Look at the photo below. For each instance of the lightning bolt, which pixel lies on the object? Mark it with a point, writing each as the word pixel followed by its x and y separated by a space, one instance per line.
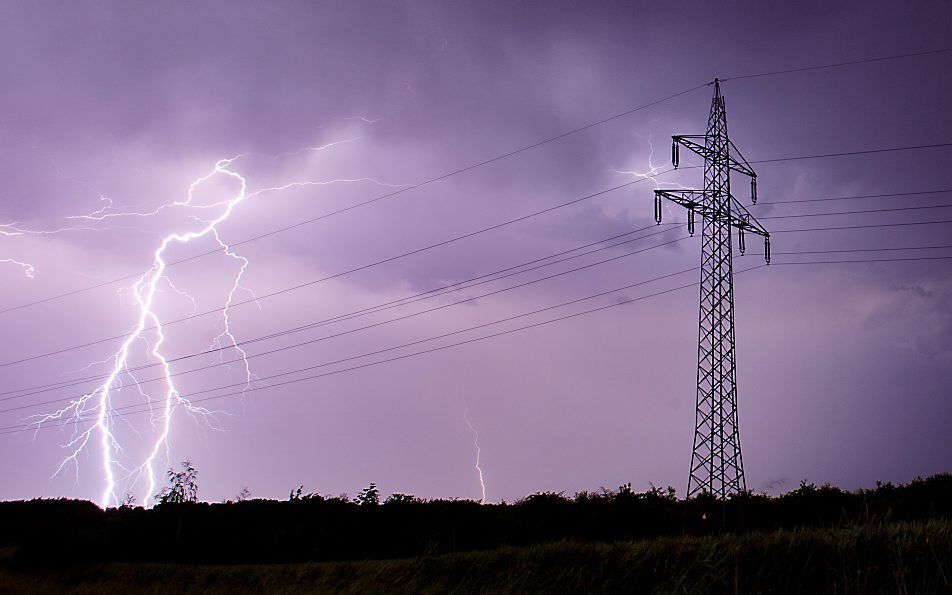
pixel 28 269
pixel 14 229
pixel 95 408
pixel 653 170
pixel 98 402
pixel 479 470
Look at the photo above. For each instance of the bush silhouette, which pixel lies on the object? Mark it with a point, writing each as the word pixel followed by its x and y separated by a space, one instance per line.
pixel 183 486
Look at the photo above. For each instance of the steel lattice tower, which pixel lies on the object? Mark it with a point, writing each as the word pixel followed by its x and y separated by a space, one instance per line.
pixel 716 463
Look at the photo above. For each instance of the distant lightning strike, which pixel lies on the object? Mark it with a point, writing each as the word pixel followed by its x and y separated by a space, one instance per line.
pixel 96 406
pixel 479 470
pixel 653 170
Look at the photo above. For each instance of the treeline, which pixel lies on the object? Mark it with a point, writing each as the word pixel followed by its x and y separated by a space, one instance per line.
pixel 313 527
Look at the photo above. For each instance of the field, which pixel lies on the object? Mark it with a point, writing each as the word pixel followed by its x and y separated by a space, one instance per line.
pixel 879 558
pixel 815 539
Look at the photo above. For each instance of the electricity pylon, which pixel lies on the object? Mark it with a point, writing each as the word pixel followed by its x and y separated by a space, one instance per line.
pixel 716 463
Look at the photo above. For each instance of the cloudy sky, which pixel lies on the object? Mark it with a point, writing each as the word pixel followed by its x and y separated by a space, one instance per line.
pixel 256 125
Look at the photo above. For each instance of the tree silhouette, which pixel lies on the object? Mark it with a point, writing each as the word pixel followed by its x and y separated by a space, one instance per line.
pixel 182 486
pixel 369 496
pixel 398 498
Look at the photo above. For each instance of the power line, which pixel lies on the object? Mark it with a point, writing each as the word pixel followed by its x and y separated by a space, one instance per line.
pixel 870 226
pixel 864 152
pixel 412 315
pixel 448 241
pixel 35 427
pixel 850 250
pixel 862 196
pixel 326 337
pixel 838 64
pixel 474 166
pixel 396 303
pixel 864 211
pixel 838 154
pixel 509 222
pixel 336 275
pixel 257 299
pixel 4 430
pixel 916 258
pixel 403 190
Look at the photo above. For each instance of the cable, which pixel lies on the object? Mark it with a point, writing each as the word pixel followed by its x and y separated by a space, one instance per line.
pixel 857 250
pixel 5 430
pixel 839 154
pixel 890 195
pixel 922 258
pixel 475 166
pixel 113 414
pixel 99 341
pixel 864 211
pixel 396 303
pixel 845 153
pixel 369 201
pixel 325 337
pixel 347 272
pixel 870 226
pixel 837 65
pixel 311 341
pixel 273 232
pixel 431 246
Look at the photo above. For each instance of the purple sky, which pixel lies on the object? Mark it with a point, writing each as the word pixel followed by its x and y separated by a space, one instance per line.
pixel 844 370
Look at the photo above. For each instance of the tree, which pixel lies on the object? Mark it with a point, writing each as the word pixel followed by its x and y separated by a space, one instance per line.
pixel 369 496
pixel 299 494
pixel 182 486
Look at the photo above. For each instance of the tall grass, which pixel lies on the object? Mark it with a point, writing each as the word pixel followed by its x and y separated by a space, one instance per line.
pixel 875 558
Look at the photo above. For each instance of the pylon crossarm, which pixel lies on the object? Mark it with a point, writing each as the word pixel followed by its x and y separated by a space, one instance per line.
pixel 692 200
pixel 698 202
pixel 707 153
pixel 748 170
pixel 742 219
pixel 689 199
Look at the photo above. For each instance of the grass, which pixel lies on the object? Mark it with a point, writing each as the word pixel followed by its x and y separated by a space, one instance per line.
pixel 881 558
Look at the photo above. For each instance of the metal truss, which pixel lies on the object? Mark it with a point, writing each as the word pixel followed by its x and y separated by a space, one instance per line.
pixel 717 466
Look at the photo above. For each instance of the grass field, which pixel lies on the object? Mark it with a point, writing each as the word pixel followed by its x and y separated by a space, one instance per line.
pixel 883 558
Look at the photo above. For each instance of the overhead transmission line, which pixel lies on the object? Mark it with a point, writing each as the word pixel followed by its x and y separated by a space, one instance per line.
pixel 900 259
pixel 865 152
pixel 257 299
pixel 403 301
pixel 49 388
pixel 375 199
pixel 432 246
pixel 869 226
pixel 838 64
pixel 124 411
pixel 860 212
pixel 595 124
pixel 439 348
pixel 58 386
pixel 471 167
pixel 853 250
pixel 864 196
